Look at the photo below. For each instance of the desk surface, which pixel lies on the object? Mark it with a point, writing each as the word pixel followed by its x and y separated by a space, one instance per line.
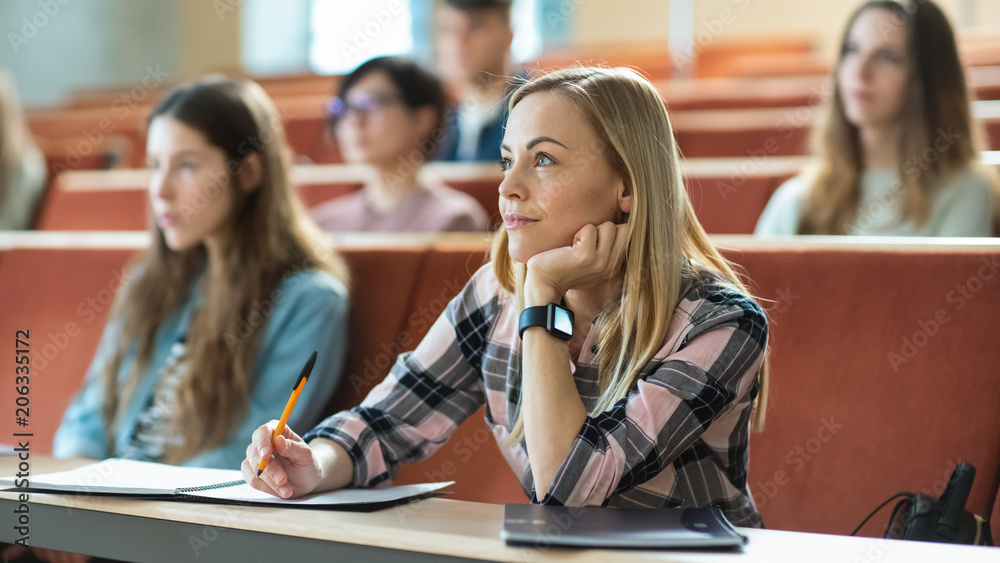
pixel 430 530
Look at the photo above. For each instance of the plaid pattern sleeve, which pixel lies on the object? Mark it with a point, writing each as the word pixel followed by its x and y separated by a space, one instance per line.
pixel 428 393
pixel 681 437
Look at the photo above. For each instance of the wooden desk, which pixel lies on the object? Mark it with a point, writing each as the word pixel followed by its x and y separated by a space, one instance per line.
pixel 431 530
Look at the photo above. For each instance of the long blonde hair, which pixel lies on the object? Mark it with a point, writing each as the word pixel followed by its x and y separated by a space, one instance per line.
pixel 936 100
pixel 631 122
pixel 271 238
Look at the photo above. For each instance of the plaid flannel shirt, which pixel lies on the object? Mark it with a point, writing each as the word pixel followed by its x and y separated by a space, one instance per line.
pixel 680 437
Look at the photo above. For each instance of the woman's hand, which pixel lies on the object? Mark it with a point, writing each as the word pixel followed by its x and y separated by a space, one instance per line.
pixel 293 470
pixel 594 257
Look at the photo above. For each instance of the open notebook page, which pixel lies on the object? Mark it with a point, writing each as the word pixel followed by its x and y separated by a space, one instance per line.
pixel 244 493
pixel 140 478
pixel 128 477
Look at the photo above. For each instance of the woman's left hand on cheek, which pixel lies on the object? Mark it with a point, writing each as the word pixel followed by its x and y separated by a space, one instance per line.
pixel 594 257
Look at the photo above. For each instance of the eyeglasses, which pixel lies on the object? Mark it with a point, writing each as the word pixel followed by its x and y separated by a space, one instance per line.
pixel 362 105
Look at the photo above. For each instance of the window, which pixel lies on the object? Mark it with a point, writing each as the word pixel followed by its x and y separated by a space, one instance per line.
pixel 345 34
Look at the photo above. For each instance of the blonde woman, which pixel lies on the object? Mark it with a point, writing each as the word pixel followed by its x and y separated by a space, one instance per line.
pixel 237 289
pixel 897 154
pixel 640 392
pixel 22 166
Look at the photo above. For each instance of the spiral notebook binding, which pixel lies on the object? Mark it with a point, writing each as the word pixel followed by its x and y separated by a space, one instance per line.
pixel 211 487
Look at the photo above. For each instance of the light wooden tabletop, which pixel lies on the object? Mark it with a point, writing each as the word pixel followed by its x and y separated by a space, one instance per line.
pixel 432 529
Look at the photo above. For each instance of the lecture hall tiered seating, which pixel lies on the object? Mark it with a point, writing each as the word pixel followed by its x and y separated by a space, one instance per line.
pixel 848 424
pixel 883 372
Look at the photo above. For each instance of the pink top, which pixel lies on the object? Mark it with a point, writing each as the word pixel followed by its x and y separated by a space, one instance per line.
pixel 435 208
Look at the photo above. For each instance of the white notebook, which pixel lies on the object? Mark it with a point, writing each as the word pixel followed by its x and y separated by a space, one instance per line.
pixel 142 479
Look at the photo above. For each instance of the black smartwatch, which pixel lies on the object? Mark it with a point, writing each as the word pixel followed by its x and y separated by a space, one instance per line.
pixel 557 321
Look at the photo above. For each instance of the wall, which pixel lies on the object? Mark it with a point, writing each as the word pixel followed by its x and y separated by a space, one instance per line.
pixel 286 50
pixel 596 22
pixel 52 47
pixel 208 39
pixel 616 22
pixel 68 45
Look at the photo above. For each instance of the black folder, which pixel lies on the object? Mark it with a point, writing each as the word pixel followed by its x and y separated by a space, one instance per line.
pixel 593 526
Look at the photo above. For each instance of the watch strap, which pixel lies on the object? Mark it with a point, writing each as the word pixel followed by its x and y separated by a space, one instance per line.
pixel 532 316
pixel 550 317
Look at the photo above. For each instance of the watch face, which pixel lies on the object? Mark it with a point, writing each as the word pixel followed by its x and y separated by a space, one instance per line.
pixel 562 321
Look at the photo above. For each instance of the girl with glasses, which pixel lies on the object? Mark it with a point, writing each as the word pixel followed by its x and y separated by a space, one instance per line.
pixel 388 115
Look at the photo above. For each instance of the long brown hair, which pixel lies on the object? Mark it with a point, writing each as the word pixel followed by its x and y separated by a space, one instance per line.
pixel 936 100
pixel 271 237
pixel 632 125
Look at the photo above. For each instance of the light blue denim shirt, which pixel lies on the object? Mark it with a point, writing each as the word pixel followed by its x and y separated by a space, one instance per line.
pixel 308 311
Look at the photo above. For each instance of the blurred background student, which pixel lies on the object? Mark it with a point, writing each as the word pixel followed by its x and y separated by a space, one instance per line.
pixel 388 115
pixel 897 152
pixel 22 167
pixel 473 50
pixel 218 316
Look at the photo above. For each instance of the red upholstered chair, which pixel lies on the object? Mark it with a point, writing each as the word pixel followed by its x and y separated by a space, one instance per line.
pixel 884 376
pixel 381 292
pixel 992 127
pixel 731 205
pixel 471 456
pixel 883 359
pixel 315 194
pixel 741 141
pixel 487 193
pixel 61 296
pixel 984 82
pixel 94 210
pixel 717 58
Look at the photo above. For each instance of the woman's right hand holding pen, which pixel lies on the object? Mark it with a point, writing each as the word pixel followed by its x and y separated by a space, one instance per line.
pixel 295 468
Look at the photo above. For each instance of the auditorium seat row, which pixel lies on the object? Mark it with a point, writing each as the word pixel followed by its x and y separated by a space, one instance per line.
pixel 884 357
pixel 733 92
pixel 729 194
pixel 700 133
pixel 714 117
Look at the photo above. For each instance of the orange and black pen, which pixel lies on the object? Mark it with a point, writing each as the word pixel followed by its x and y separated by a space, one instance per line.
pixel 303 377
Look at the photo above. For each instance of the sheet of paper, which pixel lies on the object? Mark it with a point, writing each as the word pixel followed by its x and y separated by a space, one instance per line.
pixel 246 493
pixel 140 478
pixel 126 476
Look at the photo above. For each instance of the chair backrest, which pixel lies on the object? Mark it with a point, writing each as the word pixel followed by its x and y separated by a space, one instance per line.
pixel 382 282
pixel 883 357
pixel 884 376
pixel 471 456
pixel 60 292
pixel 745 133
pixel 731 204
pixel 728 194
